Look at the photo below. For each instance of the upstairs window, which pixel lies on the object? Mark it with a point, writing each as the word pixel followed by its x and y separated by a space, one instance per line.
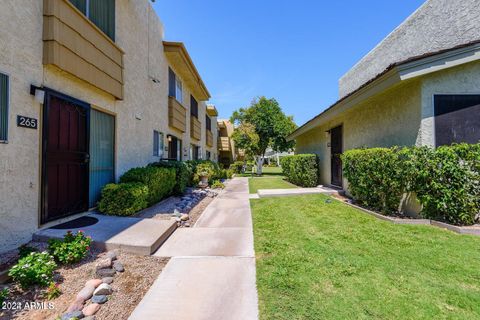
pixel 208 122
pixel 193 107
pixel 4 92
pixel 175 88
pixel 100 12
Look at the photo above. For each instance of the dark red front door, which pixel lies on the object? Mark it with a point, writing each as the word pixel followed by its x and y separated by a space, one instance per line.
pixel 65 157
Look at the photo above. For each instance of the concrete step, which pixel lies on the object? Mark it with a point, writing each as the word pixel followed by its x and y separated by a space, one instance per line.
pixel 134 235
pixel 266 193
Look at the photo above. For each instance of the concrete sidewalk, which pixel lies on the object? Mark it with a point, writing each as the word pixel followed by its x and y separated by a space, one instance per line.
pixel 212 271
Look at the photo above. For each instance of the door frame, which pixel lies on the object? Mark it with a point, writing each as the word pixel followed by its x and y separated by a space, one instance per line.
pixel 331 156
pixel 49 93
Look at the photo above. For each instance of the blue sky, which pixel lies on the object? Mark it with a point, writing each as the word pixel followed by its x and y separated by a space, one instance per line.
pixel 294 51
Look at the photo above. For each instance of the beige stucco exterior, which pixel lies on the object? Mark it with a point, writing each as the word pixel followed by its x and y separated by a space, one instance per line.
pixel 144 108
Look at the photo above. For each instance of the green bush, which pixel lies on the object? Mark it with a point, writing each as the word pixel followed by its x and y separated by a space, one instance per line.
pixel 24 250
pixel 217 184
pixel 3 295
pixel 209 166
pixel 237 167
pixel 159 181
pixel 301 169
pixel 72 249
pixel 123 199
pixel 35 269
pixel 374 178
pixel 445 180
pixel 183 171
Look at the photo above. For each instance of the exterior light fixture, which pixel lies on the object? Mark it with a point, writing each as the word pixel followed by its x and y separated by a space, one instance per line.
pixel 38 93
pixel 169 138
pixel 327 134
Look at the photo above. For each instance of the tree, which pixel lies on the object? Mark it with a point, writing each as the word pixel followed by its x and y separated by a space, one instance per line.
pixel 260 126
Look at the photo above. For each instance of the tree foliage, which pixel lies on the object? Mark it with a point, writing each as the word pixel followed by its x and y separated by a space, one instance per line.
pixel 260 126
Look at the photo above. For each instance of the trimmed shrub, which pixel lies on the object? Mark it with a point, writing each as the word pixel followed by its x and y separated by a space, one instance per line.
pixel 445 180
pixel 301 169
pixel 183 171
pixel 212 167
pixel 374 178
pixel 35 269
pixel 72 249
pixel 237 167
pixel 159 181
pixel 123 199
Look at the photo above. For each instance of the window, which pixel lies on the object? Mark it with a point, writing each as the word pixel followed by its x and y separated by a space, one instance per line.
pixel 158 144
pixel 456 120
pixel 175 88
pixel 194 152
pixel 193 107
pixel 100 12
pixel 4 92
pixel 208 122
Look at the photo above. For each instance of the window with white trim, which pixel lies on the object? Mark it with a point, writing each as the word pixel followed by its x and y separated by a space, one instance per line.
pixel 158 144
pixel 4 97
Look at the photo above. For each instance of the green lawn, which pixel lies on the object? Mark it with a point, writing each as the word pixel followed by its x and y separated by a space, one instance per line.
pixel 320 260
pixel 272 178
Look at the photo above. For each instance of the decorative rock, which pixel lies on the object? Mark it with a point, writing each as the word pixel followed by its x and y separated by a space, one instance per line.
pixel 112 255
pixel 107 280
pixel 91 309
pixel 93 283
pixel 99 299
pixel 77 305
pixel 118 266
pixel 104 264
pixel 103 289
pixel 105 273
pixel 73 315
pixel 184 217
pixel 86 293
pixel 186 225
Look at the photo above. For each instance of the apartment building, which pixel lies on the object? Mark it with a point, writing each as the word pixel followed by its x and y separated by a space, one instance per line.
pixel 227 153
pixel 88 90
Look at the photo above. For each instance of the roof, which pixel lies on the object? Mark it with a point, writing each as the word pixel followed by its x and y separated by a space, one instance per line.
pixel 179 58
pixel 404 70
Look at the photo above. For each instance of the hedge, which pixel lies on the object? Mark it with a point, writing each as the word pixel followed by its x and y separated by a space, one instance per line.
pixel 123 199
pixel 159 181
pixel 445 180
pixel 183 174
pixel 301 169
pixel 237 167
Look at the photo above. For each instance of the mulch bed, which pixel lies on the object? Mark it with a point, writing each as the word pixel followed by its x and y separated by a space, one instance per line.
pixel 129 288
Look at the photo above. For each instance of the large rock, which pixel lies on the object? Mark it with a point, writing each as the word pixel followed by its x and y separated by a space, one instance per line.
pixel 103 289
pixel 99 299
pixel 91 309
pixel 103 264
pixel 72 315
pixel 184 217
pixel 107 280
pixel 102 273
pixel 118 266
pixel 93 283
pixel 86 293
pixel 112 255
pixel 76 305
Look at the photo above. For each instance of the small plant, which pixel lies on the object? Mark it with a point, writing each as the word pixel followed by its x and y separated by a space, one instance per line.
pixel 53 291
pixel 72 249
pixel 204 170
pixel 3 295
pixel 24 250
pixel 36 268
pixel 217 184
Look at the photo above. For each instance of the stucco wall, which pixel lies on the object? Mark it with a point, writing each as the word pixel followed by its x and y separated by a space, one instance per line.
pixel 389 119
pixel 464 79
pixel 437 25
pixel 139 33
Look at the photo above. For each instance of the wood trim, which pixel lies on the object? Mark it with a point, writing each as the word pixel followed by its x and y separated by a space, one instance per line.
pixel 212 111
pixel 224 144
pixel 74 44
pixel 195 128
pixel 209 138
pixel 177 115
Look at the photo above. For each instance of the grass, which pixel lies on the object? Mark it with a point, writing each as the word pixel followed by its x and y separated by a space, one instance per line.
pixel 319 259
pixel 272 178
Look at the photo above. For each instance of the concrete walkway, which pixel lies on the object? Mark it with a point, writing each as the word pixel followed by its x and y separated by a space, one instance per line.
pixel 211 274
pixel 267 193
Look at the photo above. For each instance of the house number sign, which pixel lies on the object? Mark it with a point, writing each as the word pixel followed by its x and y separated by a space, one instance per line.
pixel 26 122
